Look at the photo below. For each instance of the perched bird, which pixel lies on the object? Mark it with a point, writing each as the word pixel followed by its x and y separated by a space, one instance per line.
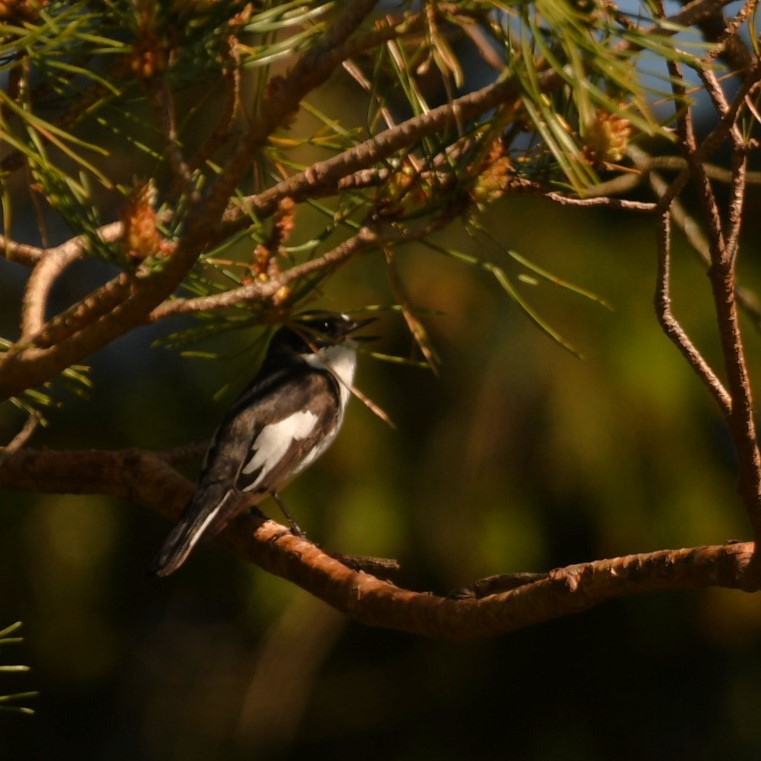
pixel 280 424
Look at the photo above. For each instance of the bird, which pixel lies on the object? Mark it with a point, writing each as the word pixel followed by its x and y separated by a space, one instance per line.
pixel 287 416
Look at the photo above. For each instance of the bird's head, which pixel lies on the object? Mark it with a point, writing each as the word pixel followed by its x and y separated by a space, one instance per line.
pixel 319 329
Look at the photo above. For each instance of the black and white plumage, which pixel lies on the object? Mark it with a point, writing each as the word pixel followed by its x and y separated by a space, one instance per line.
pixel 282 422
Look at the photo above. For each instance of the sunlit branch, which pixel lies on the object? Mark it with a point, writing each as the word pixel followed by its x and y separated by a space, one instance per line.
pixel 147 479
pixel 39 285
pixel 257 291
pixel 31 255
pixel 601 201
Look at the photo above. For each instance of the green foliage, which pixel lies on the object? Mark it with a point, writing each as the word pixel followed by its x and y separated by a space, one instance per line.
pixel 7 701
pixel 173 86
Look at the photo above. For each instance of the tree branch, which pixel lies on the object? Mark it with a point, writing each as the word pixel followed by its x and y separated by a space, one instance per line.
pixel 717 136
pixel 148 479
pixel 746 299
pixel 283 98
pixel 38 288
pixel 561 592
pixel 31 255
pixel 721 272
pixel 728 45
pixel 256 291
pixel 671 326
pixel 82 330
pixel 162 101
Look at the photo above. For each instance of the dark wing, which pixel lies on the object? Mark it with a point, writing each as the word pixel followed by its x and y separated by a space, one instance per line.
pixel 303 421
pixel 266 438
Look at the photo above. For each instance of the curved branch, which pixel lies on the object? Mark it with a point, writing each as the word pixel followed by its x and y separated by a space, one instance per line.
pixel 147 478
pixel 38 288
pixel 562 591
pixel 32 255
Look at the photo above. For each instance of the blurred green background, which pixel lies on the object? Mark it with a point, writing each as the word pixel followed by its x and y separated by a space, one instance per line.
pixel 518 457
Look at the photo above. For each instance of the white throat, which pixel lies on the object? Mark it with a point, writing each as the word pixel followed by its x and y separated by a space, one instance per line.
pixel 341 361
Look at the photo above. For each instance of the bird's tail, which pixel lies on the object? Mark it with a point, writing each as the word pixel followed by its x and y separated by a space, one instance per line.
pixel 207 513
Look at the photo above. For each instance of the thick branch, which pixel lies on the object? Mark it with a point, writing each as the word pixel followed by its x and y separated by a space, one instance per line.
pixel 562 592
pixel 135 474
pixel 148 479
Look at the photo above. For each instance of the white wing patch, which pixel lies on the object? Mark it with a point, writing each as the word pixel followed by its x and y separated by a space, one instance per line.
pixel 274 441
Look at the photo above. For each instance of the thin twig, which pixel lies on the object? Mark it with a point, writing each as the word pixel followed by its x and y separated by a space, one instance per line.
pixel 671 326
pixel 162 100
pixel 688 141
pixel 22 437
pixel 737 198
pixel 228 113
pixel 258 291
pixel 728 45
pixel 746 299
pixel 739 165
pixel 601 201
pixel 717 135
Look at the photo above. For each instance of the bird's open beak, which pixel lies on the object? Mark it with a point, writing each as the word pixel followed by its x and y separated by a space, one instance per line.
pixel 358 325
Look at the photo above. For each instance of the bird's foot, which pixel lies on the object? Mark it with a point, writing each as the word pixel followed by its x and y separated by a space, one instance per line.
pixel 295 528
